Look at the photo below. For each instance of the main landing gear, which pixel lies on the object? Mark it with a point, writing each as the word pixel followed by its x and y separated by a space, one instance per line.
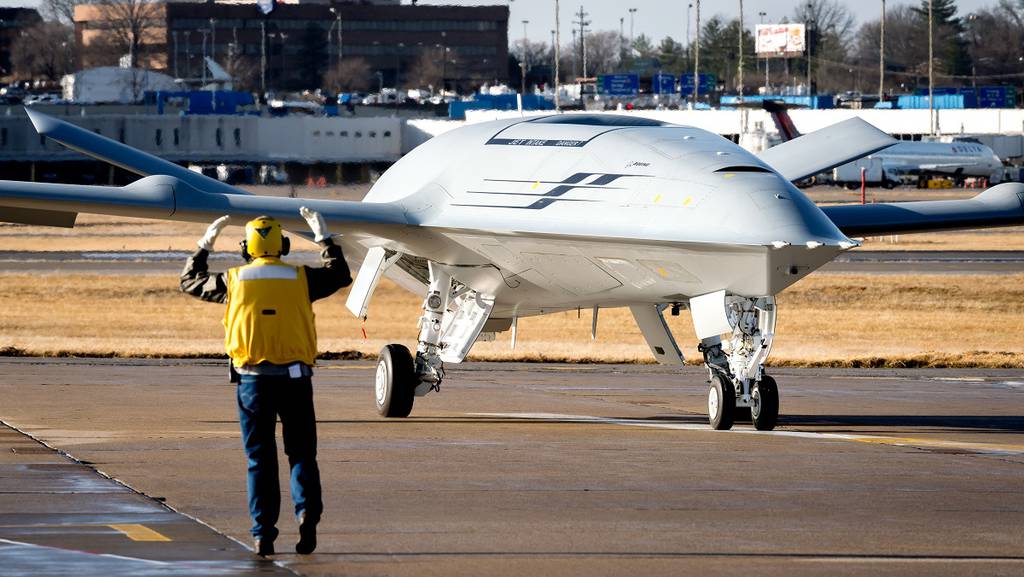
pixel 740 389
pixel 400 377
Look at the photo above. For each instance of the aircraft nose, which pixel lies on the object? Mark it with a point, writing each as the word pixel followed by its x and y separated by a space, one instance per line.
pixel 785 216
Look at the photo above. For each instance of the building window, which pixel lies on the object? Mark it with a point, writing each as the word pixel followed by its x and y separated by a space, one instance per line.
pixel 159 137
pixel 3 137
pixel 120 135
pixel 220 138
pixel 238 137
pixel 175 137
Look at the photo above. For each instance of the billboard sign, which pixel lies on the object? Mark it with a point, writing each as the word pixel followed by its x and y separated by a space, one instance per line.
pixel 708 82
pixel 781 40
pixel 620 84
pixel 664 84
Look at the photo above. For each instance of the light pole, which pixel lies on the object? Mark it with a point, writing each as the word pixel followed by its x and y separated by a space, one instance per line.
pixel 263 57
pixel 696 60
pixel 632 38
pixel 284 67
pixel 688 8
pixel 335 24
pixel 974 49
pixel 213 39
pixel 881 56
pixel 444 62
pixel 398 71
pixel 204 32
pixel 810 38
pixel 739 62
pixel 766 59
pixel 526 56
pixel 622 38
pixel 931 79
pixel 188 55
pixel 558 55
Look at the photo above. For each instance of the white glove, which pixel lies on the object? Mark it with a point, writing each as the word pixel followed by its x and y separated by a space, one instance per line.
pixel 316 223
pixel 206 243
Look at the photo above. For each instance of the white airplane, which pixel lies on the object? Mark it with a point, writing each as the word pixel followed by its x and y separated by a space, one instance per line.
pixel 959 159
pixel 508 219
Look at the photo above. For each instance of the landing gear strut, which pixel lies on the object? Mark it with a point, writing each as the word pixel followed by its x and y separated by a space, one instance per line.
pixel 400 377
pixel 739 385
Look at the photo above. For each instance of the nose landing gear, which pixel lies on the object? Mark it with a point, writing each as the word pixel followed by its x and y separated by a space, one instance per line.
pixel 739 388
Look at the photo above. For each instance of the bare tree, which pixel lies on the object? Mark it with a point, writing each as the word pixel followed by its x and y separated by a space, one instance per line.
pixel 131 25
pixel 60 10
pixel 43 51
pixel 602 52
pixel 352 75
pixel 427 71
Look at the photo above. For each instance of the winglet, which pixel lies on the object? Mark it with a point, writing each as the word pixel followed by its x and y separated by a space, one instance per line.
pixel 826 148
pixel 120 154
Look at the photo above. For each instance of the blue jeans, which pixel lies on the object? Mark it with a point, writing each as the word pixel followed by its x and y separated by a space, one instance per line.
pixel 261 399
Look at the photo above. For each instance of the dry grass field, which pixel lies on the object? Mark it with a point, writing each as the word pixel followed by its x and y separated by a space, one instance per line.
pixel 839 320
pixel 834 320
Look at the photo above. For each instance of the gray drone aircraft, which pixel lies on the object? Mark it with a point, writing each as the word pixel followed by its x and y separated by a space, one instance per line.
pixel 514 218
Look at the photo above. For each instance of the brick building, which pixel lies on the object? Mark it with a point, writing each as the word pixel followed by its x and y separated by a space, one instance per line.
pixel 294 45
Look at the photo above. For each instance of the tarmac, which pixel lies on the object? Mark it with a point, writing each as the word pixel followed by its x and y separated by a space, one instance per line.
pixel 522 469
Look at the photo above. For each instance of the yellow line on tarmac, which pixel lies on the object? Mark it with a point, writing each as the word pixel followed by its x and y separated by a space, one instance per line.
pixel 137 532
pixel 940 444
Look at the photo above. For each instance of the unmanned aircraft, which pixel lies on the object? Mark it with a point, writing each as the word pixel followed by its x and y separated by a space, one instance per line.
pixel 501 220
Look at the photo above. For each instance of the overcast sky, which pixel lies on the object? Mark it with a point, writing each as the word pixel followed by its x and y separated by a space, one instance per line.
pixel 656 18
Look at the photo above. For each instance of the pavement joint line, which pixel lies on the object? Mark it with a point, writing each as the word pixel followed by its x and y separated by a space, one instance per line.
pixel 139 532
pixel 913 442
pixel 163 504
pixel 108 555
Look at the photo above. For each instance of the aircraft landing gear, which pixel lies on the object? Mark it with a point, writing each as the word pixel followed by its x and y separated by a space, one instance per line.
pixel 400 377
pixel 739 388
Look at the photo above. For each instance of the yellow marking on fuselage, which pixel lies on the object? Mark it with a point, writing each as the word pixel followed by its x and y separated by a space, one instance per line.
pixel 535 185
pixel 657 198
pixel 688 200
pixel 728 175
pixel 662 272
pixel 137 532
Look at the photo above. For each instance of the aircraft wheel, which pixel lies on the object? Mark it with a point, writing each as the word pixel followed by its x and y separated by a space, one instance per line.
pixel 764 410
pixel 721 403
pixel 396 382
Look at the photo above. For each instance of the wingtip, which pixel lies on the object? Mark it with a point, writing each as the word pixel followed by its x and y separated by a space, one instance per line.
pixel 41 122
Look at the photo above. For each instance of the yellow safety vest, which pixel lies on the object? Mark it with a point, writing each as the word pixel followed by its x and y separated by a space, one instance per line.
pixel 269 316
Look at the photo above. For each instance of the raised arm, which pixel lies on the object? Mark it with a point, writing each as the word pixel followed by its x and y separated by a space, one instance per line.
pixel 196 279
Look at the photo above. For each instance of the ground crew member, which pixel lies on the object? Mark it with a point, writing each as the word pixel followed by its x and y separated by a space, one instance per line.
pixel 271 339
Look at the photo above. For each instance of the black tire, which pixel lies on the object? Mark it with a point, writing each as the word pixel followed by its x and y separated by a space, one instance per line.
pixel 395 385
pixel 765 410
pixel 721 403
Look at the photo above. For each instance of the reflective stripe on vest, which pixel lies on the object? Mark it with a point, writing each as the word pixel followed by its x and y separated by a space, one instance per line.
pixel 269 317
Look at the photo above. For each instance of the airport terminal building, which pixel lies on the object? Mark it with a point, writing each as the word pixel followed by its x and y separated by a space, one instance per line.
pixel 296 43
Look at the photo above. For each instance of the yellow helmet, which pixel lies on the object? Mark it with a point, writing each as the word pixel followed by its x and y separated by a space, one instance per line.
pixel 263 238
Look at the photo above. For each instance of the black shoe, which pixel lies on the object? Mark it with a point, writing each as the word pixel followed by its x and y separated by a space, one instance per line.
pixel 264 547
pixel 307 535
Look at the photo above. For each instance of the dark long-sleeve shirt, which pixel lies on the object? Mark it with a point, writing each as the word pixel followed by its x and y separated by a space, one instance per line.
pixel 324 281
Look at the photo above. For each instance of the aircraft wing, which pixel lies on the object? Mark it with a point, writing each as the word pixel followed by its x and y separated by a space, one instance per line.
pixel 825 149
pixel 1001 205
pixel 169 198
